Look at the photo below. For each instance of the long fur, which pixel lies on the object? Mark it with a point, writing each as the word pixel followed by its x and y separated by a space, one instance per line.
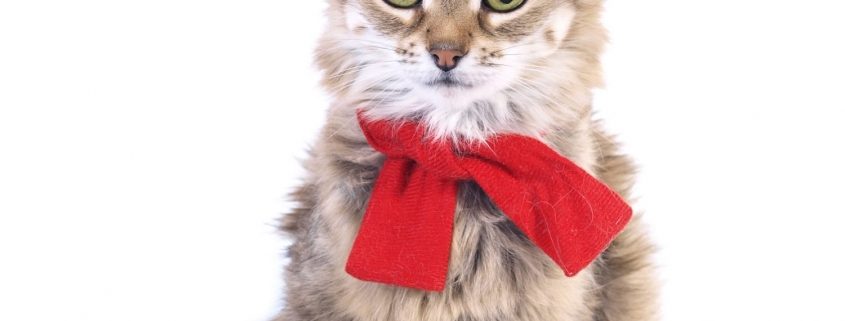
pixel 495 273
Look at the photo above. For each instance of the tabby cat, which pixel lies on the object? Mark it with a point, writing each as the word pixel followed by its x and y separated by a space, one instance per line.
pixel 467 70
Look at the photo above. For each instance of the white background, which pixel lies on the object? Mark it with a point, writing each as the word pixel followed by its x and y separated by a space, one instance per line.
pixel 146 148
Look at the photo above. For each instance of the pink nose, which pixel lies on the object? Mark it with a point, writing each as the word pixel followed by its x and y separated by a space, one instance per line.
pixel 446 59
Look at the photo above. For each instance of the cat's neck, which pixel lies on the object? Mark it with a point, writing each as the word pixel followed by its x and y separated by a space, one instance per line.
pixel 569 132
pixel 534 114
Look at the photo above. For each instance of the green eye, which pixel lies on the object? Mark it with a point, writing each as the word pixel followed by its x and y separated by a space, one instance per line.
pixel 403 4
pixel 503 5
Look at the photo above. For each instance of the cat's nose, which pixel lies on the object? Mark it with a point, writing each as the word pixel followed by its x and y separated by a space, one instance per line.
pixel 446 59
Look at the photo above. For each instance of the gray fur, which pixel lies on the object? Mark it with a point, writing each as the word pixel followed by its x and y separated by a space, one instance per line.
pixel 495 272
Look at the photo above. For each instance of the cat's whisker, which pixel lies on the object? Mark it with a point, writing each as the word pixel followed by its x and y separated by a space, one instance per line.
pixel 359 40
pixel 384 94
pixel 360 47
pixel 532 67
pixel 569 70
pixel 372 84
pixel 532 88
pixel 515 90
pixel 348 84
pixel 527 94
pixel 349 70
pixel 368 43
pixel 508 48
pixel 356 68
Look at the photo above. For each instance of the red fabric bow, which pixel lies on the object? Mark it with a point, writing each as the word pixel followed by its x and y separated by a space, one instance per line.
pixel 406 233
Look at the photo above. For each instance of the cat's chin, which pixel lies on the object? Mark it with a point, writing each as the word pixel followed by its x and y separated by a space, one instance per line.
pixel 450 90
pixel 449 87
pixel 453 91
pixel 447 84
pixel 447 81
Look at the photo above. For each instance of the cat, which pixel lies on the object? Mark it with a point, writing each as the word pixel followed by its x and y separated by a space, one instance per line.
pixel 467 70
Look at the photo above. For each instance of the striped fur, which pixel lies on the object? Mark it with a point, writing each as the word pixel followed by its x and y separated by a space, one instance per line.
pixel 495 273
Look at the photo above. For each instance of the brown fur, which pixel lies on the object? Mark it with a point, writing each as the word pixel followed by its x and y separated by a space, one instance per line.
pixel 495 273
pixel 491 259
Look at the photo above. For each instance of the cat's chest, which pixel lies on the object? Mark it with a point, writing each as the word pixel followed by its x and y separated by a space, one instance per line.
pixel 488 249
pixel 495 273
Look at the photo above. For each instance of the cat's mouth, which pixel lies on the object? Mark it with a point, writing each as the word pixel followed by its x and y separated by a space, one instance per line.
pixel 447 80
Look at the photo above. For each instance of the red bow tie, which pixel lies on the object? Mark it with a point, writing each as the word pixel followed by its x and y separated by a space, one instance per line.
pixel 406 233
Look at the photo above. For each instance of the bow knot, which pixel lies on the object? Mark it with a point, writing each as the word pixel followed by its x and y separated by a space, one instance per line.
pixel 411 142
pixel 405 236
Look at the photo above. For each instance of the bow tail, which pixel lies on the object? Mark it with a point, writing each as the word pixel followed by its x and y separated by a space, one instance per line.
pixel 406 233
pixel 570 215
pixel 578 222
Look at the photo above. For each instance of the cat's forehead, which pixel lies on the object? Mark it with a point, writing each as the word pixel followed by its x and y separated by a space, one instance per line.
pixel 450 5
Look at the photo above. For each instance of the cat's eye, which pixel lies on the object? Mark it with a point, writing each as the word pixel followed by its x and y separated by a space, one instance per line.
pixel 503 6
pixel 403 4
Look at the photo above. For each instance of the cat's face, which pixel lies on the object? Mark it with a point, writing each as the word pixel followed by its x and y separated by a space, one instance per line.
pixel 448 60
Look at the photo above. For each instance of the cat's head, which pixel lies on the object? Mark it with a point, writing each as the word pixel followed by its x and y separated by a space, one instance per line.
pixel 467 68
